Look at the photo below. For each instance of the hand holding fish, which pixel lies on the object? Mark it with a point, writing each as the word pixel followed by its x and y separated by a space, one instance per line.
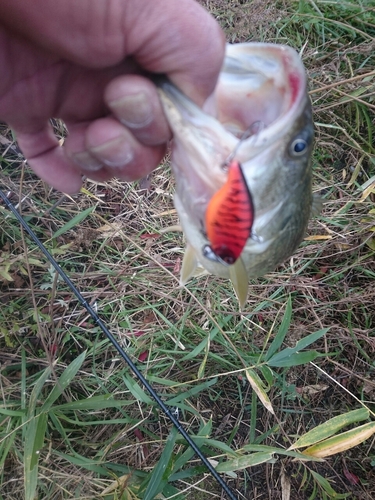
pixel 242 164
pixel 83 62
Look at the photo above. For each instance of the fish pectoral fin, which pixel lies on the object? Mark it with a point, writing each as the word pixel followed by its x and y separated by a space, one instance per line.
pixel 240 281
pixel 189 265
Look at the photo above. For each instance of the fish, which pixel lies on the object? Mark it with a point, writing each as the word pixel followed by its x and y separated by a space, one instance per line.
pixel 242 164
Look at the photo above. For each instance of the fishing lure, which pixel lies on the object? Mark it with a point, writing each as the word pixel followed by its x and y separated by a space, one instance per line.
pixel 229 218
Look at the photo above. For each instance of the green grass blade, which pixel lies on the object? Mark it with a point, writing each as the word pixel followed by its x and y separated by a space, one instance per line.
pixel 288 357
pixel 23 390
pixel 160 474
pixel 323 483
pixel 74 222
pixel 310 339
pixel 295 359
pixel 191 392
pixel 94 403
pixel 137 390
pixel 7 443
pixel 244 462
pixel 85 463
pixel 34 440
pixel 64 380
pixel 35 393
pixel 283 330
pixel 205 342
pixel 41 427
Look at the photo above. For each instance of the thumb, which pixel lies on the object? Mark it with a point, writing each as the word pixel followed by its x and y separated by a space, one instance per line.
pixel 180 39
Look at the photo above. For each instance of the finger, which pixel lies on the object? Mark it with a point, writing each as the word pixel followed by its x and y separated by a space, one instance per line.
pixel 134 101
pixel 105 149
pixel 186 43
pixel 48 160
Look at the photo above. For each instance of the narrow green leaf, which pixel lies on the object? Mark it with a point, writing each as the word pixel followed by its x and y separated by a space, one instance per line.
pixel 12 413
pixel 34 438
pixel 323 483
pixel 37 390
pixel 169 491
pixel 7 443
pixel 74 222
pixel 94 403
pixel 283 330
pixel 161 381
pixel 310 339
pixel 59 427
pixel 158 480
pixel 279 451
pixel 294 359
pixel 202 366
pixel 214 443
pixel 137 391
pixel 244 462
pixel 40 433
pixel 204 432
pixel 268 375
pixel 5 274
pixel 285 355
pixel 80 461
pixel 330 427
pixel 206 429
pixel 203 344
pixel 81 423
pixel 64 380
pixel 183 459
pixel 191 392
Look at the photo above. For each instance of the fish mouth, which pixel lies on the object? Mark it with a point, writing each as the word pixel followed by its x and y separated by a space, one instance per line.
pixel 259 94
pixel 263 86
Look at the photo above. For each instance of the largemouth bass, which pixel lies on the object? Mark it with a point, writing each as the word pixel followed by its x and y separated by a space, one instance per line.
pixel 242 164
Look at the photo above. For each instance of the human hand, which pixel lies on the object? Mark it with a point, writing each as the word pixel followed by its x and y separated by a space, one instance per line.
pixel 83 62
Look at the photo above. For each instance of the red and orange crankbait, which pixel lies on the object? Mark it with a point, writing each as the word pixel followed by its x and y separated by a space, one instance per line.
pixel 229 218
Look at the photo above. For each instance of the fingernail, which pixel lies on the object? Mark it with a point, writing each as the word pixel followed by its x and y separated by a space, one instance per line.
pixel 134 111
pixel 86 161
pixel 116 153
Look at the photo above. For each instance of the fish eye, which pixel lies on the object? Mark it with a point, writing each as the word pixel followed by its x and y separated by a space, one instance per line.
pixel 298 147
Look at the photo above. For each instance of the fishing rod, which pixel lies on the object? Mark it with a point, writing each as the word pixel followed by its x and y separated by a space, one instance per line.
pixel 230 494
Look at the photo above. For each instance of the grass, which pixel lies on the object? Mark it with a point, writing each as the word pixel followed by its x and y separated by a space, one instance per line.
pixel 73 421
